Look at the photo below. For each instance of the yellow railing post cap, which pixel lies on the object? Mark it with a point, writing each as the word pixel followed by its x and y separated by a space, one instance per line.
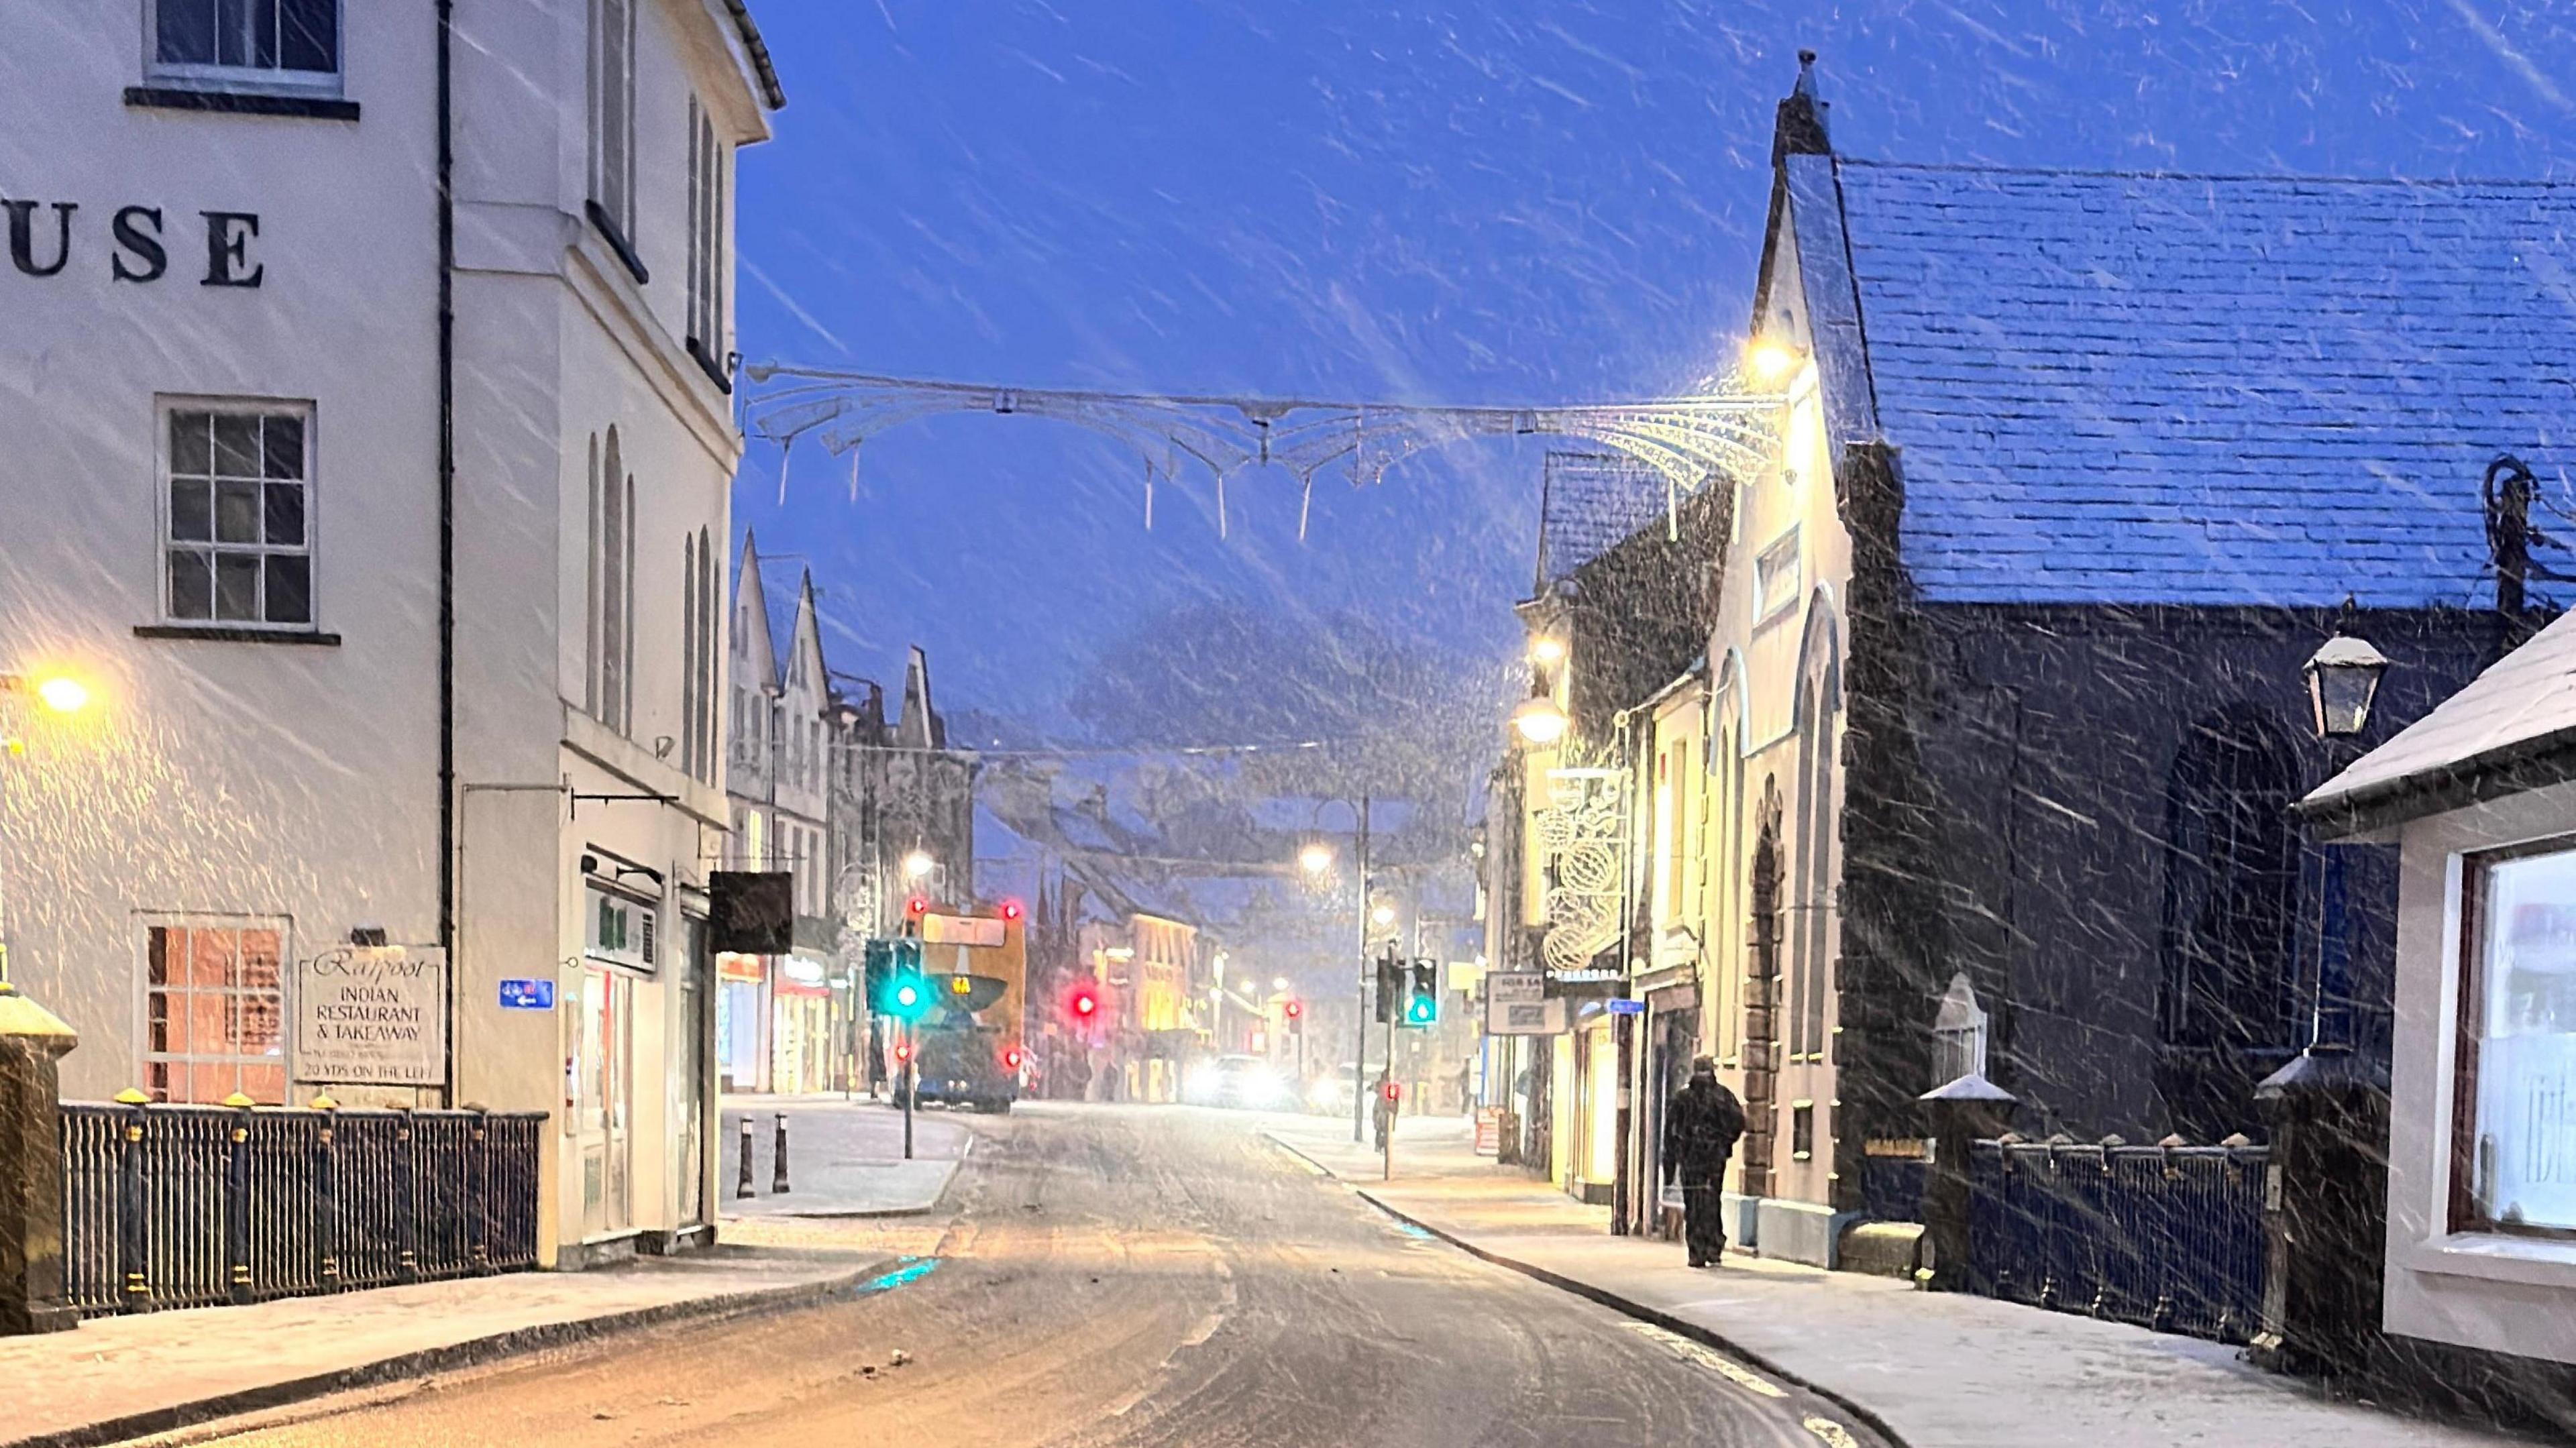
pixel 131 1097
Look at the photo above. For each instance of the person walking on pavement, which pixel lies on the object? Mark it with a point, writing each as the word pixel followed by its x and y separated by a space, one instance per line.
pixel 1701 1126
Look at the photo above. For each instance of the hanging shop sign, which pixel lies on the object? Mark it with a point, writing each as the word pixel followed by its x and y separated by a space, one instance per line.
pixel 1517 1004
pixel 372 1016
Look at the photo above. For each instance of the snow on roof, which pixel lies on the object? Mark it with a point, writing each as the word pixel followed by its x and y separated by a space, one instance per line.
pixel 2511 727
pixel 2196 389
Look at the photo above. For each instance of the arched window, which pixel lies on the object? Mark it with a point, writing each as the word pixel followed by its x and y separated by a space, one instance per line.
pixel 2231 887
pixel 610 690
pixel 1761 996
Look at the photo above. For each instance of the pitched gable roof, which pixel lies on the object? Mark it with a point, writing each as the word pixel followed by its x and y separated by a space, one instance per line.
pixel 755 649
pixel 2160 388
pixel 1589 503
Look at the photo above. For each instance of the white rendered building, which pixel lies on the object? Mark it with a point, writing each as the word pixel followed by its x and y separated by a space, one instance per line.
pixel 366 372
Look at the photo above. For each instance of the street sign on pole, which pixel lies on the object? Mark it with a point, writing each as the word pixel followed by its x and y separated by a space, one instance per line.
pixel 1517 1004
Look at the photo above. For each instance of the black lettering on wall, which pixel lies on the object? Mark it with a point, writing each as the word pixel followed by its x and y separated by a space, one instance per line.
pixel 22 235
pixel 145 245
pixel 228 237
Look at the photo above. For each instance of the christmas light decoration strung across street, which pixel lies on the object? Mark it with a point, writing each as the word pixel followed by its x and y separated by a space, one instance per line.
pixel 1729 433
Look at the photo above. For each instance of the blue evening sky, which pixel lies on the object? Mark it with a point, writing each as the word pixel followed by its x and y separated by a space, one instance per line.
pixel 1505 201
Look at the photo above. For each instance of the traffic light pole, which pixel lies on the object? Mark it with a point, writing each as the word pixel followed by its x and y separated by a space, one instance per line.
pixel 1359 1017
pixel 908 1068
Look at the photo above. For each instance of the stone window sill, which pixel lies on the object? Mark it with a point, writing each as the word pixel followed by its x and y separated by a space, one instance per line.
pixel 240 103
pixel 226 634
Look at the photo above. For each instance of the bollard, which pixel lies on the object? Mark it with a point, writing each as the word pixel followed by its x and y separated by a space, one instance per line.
pixel 742 1185
pixel 778 1178
pixel 1957 1115
pixel 32 1041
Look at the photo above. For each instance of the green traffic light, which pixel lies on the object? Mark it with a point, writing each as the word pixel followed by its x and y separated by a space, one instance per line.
pixel 1420 1010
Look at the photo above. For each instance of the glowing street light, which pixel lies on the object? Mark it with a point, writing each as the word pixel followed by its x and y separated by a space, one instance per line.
pixel 1383 912
pixel 1547 649
pixel 1316 858
pixel 918 864
pixel 63 694
pixel 1539 720
pixel 1770 361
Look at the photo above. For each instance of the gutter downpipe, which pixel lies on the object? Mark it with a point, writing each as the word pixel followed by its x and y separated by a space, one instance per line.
pixel 447 837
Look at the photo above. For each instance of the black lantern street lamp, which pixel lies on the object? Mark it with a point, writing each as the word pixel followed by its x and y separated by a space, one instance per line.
pixel 2343 678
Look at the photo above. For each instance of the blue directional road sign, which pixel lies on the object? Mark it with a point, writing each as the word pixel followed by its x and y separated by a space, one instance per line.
pixel 528 995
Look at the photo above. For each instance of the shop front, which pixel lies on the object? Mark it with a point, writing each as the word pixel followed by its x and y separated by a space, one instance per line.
pixel 742 1022
pixel 800 1056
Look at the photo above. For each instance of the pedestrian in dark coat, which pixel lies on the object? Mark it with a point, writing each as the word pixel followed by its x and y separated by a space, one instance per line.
pixel 1701 1124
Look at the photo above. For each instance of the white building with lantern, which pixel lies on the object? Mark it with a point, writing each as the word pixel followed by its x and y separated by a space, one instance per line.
pixel 2479 797
pixel 382 522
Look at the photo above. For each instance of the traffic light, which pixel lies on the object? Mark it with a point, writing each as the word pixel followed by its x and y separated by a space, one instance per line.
pixel 1295 1011
pixel 915 908
pixel 1422 997
pixel 1012 910
pixel 896 985
pixel 903 1053
pixel 1083 1004
pixel 1011 1058
pixel 1390 984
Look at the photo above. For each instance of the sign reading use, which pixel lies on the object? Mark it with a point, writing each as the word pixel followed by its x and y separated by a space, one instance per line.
pixel 371 1016
pixel 527 995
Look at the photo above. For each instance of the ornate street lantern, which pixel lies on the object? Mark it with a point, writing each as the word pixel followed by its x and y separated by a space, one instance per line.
pixel 2343 678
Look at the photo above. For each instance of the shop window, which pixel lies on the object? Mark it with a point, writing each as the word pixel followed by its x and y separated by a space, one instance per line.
pixel 213 1007
pixel 2516 1166
pixel 290 44
pixel 237 533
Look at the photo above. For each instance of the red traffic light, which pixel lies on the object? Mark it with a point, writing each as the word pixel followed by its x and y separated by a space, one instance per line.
pixel 1394 1090
pixel 1012 910
pixel 903 1053
pixel 1084 1003
pixel 1295 1009
pixel 917 906
pixel 1011 1059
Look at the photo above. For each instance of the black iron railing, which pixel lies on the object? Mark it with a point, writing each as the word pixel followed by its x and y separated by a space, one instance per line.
pixel 2168 1237
pixel 193 1206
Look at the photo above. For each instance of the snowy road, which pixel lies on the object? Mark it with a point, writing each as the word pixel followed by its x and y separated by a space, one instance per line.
pixel 1131 1276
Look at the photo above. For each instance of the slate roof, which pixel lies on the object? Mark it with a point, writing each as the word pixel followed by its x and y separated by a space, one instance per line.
pixel 2164 388
pixel 2512 727
pixel 1589 504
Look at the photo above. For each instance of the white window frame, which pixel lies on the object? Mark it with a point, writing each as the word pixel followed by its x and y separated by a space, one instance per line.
pixel 245 79
pixel 145 1057
pixel 710 195
pixel 1780 558
pixel 163 540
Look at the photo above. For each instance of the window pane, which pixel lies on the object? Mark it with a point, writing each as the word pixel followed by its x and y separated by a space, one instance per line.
pixel 286 515
pixel 163 1031
pixel 2524 1169
pixel 237 508
pixel 186 32
pixel 264 1084
pixel 255 967
pixel 310 34
pixel 192 583
pixel 237 445
pixel 290 588
pixel 237 586
pixel 192 511
pixel 191 433
pixel 233 31
pixel 282 454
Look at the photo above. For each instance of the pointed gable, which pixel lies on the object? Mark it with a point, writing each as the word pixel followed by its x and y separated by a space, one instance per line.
pixel 920 726
pixel 754 653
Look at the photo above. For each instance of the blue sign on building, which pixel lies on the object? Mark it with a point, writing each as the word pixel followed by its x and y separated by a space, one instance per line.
pixel 528 995
pixel 1627 1008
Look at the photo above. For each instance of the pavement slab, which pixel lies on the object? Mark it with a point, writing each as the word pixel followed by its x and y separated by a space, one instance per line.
pixel 120 1377
pixel 1938 1370
pixel 844 1158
